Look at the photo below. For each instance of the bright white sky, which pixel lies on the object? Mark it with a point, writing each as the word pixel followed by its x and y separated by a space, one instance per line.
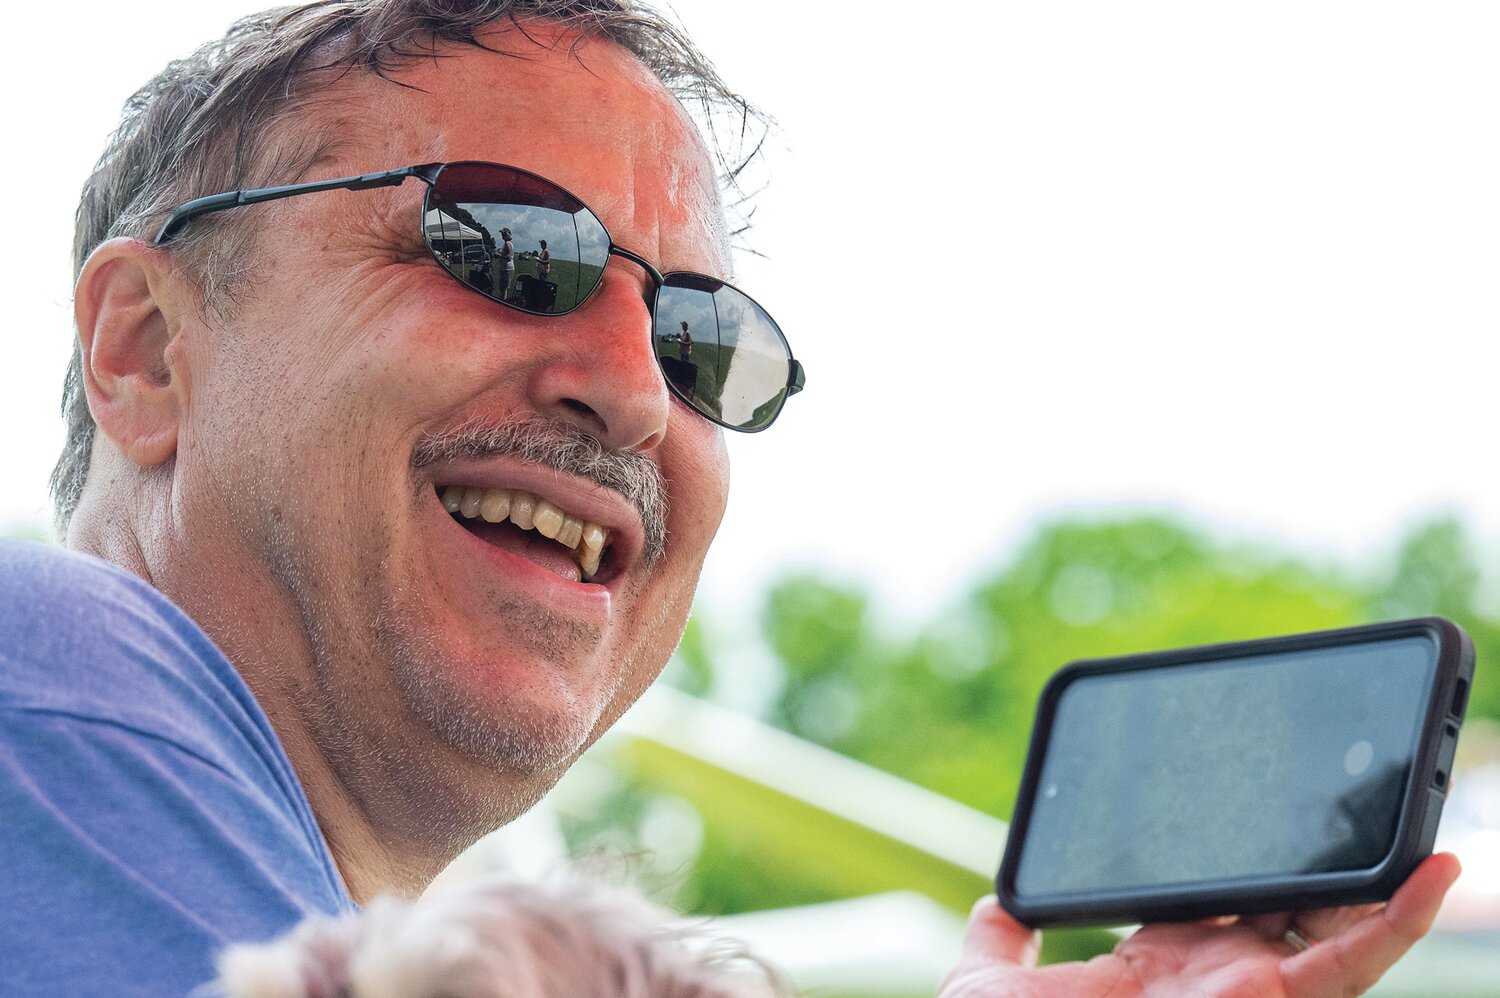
pixel 1236 260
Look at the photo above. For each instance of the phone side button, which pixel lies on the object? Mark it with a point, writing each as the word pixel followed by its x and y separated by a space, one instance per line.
pixel 1460 697
pixel 1428 837
pixel 1445 758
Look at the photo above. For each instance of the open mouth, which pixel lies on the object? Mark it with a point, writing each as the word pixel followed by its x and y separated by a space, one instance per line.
pixel 532 527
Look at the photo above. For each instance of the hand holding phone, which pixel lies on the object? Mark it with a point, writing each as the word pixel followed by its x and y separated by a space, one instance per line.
pixel 1248 786
pixel 1348 950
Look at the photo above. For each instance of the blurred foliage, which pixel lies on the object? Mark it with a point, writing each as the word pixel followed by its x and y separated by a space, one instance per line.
pixel 951 707
pixel 948 703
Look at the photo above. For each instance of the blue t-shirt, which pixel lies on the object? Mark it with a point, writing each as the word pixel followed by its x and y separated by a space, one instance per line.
pixel 148 815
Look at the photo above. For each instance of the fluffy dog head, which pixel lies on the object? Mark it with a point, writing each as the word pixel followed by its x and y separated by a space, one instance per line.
pixel 497 939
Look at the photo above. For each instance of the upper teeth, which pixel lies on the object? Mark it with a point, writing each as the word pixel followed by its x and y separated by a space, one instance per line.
pixel 586 540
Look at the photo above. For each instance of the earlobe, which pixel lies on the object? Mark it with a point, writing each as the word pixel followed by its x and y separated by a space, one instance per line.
pixel 126 323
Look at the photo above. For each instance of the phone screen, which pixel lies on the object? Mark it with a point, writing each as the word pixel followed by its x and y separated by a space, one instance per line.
pixel 1260 766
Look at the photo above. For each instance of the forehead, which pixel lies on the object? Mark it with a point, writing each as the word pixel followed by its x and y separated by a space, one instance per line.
pixel 582 112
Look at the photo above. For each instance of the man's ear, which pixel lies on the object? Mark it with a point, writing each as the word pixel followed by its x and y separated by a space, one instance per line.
pixel 126 319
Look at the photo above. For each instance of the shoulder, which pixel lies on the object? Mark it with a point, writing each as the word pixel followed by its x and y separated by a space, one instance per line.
pixel 98 659
pixel 150 810
pixel 73 627
pixel 87 645
pixel 40 577
pixel 32 570
pixel 133 854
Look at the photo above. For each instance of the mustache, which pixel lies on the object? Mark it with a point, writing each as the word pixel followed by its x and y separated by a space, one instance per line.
pixel 562 447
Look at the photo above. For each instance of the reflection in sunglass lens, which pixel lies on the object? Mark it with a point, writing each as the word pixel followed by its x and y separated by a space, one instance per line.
pixel 515 237
pixel 720 351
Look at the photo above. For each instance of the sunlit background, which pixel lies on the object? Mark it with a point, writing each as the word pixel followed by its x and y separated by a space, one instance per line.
pixel 1126 326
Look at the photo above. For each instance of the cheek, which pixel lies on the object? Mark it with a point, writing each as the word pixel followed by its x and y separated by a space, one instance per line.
pixel 384 353
pixel 696 464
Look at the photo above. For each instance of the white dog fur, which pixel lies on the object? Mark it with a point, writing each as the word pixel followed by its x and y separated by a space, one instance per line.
pixel 498 939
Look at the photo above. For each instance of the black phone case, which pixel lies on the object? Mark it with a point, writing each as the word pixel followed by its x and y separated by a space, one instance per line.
pixel 1421 803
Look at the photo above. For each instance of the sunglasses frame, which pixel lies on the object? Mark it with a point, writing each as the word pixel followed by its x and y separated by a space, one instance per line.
pixel 428 173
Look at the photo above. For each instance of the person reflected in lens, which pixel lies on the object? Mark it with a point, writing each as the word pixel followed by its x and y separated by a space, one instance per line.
pixel 478 259
pixel 543 262
pixel 507 269
pixel 685 344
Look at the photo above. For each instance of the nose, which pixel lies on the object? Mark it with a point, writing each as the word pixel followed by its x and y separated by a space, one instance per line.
pixel 608 381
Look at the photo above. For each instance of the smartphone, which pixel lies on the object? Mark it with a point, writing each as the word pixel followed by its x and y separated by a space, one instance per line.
pixel 1279 774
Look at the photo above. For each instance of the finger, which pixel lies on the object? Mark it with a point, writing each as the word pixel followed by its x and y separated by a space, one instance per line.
pixel 1325 923
pixel 994 935
pixel 1313 925
pixel 1355 958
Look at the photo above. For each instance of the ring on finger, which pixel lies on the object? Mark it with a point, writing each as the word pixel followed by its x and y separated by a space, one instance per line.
pixel 1299 941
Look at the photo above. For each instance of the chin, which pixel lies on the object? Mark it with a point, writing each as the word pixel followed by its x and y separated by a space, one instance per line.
pixel 521 718
pixel 523 702
pixel 525 732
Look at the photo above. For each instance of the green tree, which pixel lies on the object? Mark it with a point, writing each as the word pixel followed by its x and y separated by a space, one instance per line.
pixel 1436 571
pixel 951 708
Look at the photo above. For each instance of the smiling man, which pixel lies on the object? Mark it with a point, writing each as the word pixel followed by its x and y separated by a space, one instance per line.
pixel 438 531
pixel 431 651
pixel 371 538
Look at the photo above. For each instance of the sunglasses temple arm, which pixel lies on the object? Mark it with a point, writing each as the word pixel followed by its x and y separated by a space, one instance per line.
pixel 796 377
pixel 233 199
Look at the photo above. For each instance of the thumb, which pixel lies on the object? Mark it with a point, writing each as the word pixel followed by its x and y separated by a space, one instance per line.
pixel 994 935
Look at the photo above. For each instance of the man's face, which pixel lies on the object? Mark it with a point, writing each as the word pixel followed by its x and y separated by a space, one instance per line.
pixel 327 415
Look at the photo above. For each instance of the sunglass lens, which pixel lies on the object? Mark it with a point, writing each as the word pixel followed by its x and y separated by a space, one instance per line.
pixel 720 351
pixel 515 237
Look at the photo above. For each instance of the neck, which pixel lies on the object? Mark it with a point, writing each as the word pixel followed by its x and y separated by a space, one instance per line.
pixel 388 831
pixel 377 821
pixel 370 859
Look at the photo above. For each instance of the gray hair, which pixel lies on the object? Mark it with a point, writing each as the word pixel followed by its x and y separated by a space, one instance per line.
pixel 223 119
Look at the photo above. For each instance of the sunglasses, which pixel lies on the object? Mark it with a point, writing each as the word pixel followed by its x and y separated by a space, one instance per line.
pixel 523 241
